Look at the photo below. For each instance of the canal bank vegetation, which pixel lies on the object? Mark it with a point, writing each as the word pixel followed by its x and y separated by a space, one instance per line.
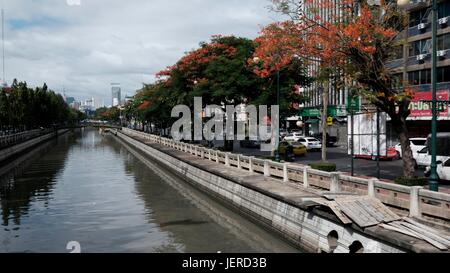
pixel 222 71
pixel 111 114
pixel 24 108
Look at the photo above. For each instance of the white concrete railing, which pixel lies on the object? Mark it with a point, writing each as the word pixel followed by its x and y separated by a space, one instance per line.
pixel 417 200
pixel 13 139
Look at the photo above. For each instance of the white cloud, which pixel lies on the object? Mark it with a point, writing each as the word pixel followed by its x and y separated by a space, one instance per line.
pixel 86 47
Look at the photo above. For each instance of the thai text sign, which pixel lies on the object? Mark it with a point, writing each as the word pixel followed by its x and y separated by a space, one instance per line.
pixel 421 104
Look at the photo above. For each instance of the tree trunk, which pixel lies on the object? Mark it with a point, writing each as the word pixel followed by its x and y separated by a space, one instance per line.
pixel 324 123
pixel 407 155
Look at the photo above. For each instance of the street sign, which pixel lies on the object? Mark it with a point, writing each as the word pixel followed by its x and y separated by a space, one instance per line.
pixel 310 112
pixel 353 104
pixel 330 121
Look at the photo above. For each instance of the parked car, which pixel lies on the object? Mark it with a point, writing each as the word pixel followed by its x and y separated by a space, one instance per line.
pixel 298 148
pixel 423 159
pixel 310 143
pixel 294 136
pixel 416 144
pixel 443 170
pixel 331 140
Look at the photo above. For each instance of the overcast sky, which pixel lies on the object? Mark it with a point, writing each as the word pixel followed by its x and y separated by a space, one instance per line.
pixel 84 45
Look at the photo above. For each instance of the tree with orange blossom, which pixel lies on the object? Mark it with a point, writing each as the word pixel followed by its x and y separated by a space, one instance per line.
pixel 355 43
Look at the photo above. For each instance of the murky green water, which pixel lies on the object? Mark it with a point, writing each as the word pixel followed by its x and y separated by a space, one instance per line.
pixel 91 189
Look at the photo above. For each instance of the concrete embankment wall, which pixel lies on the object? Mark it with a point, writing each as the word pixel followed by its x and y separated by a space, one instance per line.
pixel 306 229
pixel 19 148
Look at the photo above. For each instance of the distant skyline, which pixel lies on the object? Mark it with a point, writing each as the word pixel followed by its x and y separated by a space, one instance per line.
pixel 83 46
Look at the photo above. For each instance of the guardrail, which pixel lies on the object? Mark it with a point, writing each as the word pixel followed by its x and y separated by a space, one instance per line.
pixel 417 200
pixel 13 139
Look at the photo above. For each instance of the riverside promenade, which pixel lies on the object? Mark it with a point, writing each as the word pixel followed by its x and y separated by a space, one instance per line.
pixel 314 210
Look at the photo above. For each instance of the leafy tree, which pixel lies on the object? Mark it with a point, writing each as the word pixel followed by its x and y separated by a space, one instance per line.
pixel 26 108
pixel 355 44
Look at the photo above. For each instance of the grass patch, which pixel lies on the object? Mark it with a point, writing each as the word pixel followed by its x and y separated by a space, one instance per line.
pixel 324 166
pixel 415 181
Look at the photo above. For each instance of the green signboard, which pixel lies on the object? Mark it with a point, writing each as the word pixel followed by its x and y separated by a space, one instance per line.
pixel 353 104
pixel 310 112
pixel 333 111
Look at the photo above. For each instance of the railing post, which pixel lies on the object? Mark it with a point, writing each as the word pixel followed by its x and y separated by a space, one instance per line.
pixel 250 164
pixel 414 202
pixel 202 152
pixel 227 159
pixel 335 186
pixel 285 173
pixel 185 147
pixel 217 157
pixel 266 168
pixel 238 161
pixel 305 176
pixel 196 150
pixel 209 154
pixel 371 187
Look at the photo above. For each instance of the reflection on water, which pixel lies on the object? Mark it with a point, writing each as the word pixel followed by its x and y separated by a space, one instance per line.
pixel 110 198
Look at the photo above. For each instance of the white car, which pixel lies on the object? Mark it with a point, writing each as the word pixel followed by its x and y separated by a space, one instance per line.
pixel 293 137
pixel 417 144
pixel 310 143
pixel 443 170
pixel 423 159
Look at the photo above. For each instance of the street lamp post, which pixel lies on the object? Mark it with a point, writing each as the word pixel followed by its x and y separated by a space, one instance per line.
pixel 277 152
pixel 433 179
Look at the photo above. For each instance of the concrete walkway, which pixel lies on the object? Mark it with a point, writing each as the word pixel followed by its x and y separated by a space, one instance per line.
pixel 291 193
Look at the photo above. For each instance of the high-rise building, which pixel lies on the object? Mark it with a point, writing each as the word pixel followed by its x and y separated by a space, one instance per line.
pixel 411 64
pixel 116 94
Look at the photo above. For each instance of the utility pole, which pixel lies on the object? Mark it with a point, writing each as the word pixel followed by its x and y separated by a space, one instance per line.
pixel 378 144
pixel 433 181
pixel 352 145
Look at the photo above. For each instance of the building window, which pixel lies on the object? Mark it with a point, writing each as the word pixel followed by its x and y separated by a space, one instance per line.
pixel 419 77
pixel 443 74
pixel 444 9
pixel 424 76
pixel 420 47
pixel 413 78
pixel 443 42
pixel 417 17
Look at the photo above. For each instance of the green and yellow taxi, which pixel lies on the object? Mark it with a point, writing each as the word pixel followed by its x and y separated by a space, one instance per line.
pixel 298 148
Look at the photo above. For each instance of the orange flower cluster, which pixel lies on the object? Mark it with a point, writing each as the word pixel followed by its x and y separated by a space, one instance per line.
pixel 330 38
pixel 278 44
pixel 334 39
pixel 194 60
pixel 144 105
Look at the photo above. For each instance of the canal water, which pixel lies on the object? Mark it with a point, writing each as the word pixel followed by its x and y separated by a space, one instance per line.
pixel 91 191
